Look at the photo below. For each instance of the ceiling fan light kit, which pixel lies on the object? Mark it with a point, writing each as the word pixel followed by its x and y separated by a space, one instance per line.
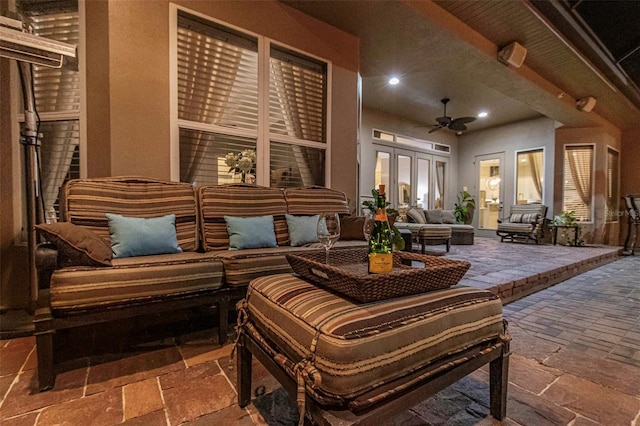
pixel 513 54
pixel 446 122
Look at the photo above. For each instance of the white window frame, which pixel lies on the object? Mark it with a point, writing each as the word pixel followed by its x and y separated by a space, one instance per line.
pixel 544 167
pixel 263 137
pixel 593 169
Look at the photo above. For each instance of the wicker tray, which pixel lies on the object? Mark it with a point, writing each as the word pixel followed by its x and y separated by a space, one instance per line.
pixel 347 274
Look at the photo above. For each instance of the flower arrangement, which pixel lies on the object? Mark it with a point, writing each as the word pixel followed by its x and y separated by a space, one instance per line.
pixel 243 163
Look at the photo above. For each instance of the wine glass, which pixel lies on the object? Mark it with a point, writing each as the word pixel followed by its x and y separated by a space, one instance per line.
pixel 328 231
pixel 367 227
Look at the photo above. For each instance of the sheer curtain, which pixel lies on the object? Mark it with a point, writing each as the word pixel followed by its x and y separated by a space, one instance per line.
pixel 537 171
pixel 439 202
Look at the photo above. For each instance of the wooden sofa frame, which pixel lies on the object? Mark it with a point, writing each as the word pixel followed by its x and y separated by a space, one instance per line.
pixel 498 359
pixel 48 320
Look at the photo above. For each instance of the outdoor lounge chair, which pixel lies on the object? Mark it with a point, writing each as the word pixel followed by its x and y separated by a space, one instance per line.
pixel 525 222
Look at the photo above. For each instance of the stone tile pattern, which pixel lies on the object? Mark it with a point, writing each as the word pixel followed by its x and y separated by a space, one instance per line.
pixel 575 361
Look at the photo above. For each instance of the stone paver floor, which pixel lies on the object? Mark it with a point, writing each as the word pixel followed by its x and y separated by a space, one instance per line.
pixel 575 361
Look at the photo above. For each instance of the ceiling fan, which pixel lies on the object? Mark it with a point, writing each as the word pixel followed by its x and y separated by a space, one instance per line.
pixel 446 122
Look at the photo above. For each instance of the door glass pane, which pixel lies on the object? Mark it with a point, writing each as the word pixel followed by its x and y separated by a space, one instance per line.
pixel 530 177
pixel 424 167
pixel 383 163
pixel 489 194
pixel 440 186
pixel 404 182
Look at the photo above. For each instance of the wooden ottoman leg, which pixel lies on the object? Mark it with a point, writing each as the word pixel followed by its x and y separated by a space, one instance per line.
pixel 498 383
pixel 243 370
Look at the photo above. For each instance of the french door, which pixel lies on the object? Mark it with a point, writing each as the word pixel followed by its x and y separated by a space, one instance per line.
pixel 412 178
pixel 489 204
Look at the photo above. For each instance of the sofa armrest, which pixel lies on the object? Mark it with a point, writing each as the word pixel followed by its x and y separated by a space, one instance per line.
pixel 46 263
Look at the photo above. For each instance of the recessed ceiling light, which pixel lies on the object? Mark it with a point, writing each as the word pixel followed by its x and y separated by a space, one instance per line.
pixel 394 80
pixel 483 114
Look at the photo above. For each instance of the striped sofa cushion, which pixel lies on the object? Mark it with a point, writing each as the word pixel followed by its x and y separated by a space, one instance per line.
pixel 315 199
pixel 435 232
pixel 217 201
pixel 242 266
pixel 515 227
pixel 134 279
pixel 359 347
pixel 86 201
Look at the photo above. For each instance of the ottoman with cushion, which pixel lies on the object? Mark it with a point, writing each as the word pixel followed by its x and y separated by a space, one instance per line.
pixel 432 235
pixel 347 361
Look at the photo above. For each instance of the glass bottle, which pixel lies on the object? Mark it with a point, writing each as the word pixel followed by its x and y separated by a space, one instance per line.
pixel 380 244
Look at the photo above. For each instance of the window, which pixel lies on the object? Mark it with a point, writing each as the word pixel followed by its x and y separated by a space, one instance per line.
pixel 221 97
pixel 577 183
pixel 529 177
pixel 613 196
pixel 57 98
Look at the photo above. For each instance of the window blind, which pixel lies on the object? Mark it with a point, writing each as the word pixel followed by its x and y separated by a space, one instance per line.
pixel 56 89
pixel 295 166
pixel 217 75
pixel 578 172
pixel 297 96
pixel 57 97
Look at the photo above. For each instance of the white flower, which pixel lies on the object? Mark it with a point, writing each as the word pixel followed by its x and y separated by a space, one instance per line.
pixel 245 164
pixel 249 153
pixel 230 159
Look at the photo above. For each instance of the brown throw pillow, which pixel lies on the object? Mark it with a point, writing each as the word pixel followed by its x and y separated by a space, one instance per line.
pixel 351 228
pixel 77 246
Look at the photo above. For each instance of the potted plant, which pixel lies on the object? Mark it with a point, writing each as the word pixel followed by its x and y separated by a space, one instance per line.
pixel 398 241
pixel 565 220
pixel 464 207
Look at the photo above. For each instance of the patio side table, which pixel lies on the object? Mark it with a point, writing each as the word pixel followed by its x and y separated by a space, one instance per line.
pixel 555 233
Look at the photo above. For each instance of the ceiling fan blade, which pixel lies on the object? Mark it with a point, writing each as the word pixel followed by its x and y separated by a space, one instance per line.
pixel 457 126
pixel 464 120
pixel 436 128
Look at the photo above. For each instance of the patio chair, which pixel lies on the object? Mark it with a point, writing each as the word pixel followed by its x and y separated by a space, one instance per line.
pixel 525 222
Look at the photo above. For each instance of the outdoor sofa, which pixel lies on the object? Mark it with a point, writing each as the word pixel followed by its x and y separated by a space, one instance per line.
pixel 198 265
pixel 429 221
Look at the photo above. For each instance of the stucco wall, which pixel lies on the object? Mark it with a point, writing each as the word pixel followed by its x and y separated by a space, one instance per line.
pixel 506 140
pixel 598 231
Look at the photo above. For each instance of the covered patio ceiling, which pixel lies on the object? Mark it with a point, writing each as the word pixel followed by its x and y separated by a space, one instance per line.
pixel 449 49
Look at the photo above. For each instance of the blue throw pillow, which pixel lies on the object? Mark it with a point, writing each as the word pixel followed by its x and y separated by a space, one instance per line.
pixel 137 236
pixel 250 232
pixel 302 229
